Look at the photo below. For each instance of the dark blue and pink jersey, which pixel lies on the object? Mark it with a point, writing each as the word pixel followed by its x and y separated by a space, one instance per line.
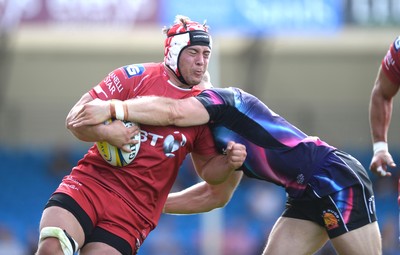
pixel 277 151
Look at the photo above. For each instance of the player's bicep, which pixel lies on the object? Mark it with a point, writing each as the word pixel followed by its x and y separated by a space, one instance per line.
pixel 190 112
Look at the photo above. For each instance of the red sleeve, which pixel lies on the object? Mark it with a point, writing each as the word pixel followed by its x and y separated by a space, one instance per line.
pixel 116 85
pixel 391 62
pixel 205 143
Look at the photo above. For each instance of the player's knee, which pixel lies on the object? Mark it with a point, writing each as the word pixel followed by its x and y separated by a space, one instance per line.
pixel 54 239
pixel 48 246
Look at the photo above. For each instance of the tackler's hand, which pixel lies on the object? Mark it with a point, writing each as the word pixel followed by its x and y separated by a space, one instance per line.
pixel 92 113
pixel 380 162
pixel 236 154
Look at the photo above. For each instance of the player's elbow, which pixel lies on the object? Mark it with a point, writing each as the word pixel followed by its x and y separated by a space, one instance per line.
pixel 78 132
pixel 221 196
pixel 79 135
pixel 216 201
pixel 213 179
pixel 222 200
pixel 223 193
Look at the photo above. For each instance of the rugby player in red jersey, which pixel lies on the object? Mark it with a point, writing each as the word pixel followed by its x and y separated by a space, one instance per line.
pixel 101 209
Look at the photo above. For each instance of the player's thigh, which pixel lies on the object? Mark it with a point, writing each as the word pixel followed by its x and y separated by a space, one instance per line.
pixel 97 248
pixel 363 241
pixel 295 236
pixel 55 216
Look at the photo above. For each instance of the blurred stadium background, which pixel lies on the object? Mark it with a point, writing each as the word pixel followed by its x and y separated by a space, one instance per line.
pixel 312 61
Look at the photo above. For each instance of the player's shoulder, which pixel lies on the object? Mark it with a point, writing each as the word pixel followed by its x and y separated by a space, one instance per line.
pixel 396 43
pixel 394 50
pixel 391 62
pixel 227 91
pixel 219 96
pixel 222 93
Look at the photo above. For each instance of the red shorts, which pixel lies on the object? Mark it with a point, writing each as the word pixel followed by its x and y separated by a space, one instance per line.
pixel 104 216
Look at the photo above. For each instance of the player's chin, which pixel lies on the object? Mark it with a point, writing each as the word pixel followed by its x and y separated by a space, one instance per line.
pixel 194 80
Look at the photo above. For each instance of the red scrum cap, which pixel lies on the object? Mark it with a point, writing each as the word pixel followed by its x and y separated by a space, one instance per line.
pixel 182 34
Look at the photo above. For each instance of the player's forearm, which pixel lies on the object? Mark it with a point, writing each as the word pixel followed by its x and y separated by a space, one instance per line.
pixel 217 170
pixel 202 197
pixel 380 114
pixel 381 106
pixel 162 111
pixel 195 199
pixel 150 110
pixel 220 167
pixel 90 133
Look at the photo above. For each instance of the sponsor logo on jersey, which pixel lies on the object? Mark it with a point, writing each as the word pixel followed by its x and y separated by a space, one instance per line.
pixel 113 83
pixel 134 70
pixel 331 219
pixel 300 179
pixel 396 44
pixel 171 143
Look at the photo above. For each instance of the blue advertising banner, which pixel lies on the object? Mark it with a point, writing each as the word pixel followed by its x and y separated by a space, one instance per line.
pixel 259 17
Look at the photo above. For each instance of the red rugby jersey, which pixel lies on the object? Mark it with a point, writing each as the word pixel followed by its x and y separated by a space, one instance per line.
pixel 391 62
pixel 146 182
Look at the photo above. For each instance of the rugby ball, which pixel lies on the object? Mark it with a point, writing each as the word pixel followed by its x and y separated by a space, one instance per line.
pixel 115 156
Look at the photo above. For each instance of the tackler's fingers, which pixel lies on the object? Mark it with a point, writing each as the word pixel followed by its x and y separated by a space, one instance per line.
pixel 381 171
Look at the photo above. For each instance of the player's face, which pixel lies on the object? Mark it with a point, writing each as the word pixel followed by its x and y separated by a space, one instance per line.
pixel 193 63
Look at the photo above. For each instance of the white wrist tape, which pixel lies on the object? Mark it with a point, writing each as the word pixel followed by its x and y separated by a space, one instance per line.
pixel 380 146
pixel 119 111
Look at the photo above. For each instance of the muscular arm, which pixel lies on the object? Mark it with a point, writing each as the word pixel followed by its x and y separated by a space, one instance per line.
pixel 150 110
pixel 217 169
pixel 167 111
pixel 380 114
pixel 202 197
pixel 381 104
pixel 163 111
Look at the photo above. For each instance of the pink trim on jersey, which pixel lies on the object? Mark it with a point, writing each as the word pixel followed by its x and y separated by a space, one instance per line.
pixel 349 208
pixel 313 139
pixel 316 140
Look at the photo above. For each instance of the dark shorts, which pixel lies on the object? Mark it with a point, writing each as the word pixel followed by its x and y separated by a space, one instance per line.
pixel 99 213
pixel 339 213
